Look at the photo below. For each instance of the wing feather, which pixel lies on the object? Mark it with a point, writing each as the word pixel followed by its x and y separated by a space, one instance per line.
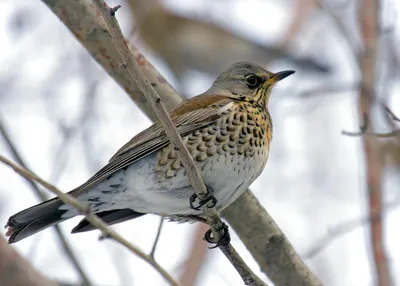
pixel 196 113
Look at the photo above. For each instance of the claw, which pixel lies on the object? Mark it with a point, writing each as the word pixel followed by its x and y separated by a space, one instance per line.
pixel 224 240
pixel 209 198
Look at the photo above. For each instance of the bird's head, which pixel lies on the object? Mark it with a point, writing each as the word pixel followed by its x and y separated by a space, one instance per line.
pixel 248 80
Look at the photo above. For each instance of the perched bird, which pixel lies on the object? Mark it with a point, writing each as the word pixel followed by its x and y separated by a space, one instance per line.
pixel 191 44
pixel 227 131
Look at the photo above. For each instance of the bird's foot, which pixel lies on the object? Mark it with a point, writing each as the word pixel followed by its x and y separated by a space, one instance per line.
pixel 209 198
pixel 224 239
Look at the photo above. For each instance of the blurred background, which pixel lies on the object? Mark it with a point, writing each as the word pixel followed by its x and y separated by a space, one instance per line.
pixel 59 109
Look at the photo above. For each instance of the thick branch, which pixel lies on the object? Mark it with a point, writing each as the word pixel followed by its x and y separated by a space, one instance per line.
pixel 134 71
pixel 92 218
pixel 81 19
pixel 268 245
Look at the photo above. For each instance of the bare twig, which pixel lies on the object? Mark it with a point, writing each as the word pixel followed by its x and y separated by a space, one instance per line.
pixel 364 128
pixel 323 90
pixel 153 249
pixel 41 196
pixel 341 229
pixel 129 64
pixel 81 18
pixel 92 218
pixel 394 117
pixel 341 27
pixel 369 27
pixel 92 32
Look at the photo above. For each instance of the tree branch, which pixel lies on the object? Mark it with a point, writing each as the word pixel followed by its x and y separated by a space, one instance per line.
pixel 267 243
pixel 343 228
pixel 369 27
pixel 41 196
pixel 92 218
pixel 81 18
pixel 16 271
pixel 153 249
pixel 129 64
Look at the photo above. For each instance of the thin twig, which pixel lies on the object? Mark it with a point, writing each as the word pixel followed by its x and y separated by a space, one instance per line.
pixel 341 27
pixel 81 18
pixel 394 117
pixel 42 196
pixel 343 228
pixel 364 128
pixel 129 64
pixel 91 217
pixel 160 225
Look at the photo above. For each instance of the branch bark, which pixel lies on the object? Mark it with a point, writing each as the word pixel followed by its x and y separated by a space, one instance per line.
pixel 92 218
pixel 369 27
pixel 16 271
pixel 267 243
pixel 63 241
pixel 129 64
pixel 81 19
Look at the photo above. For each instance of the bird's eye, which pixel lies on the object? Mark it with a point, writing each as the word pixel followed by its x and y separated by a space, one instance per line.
pixel 252 81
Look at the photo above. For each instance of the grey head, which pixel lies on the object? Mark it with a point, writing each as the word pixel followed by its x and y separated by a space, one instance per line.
pixel 245 79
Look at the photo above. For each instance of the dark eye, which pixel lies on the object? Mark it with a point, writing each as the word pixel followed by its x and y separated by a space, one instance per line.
pixel 252 81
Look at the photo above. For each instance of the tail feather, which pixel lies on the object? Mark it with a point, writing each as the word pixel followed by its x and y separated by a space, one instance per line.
pixel 34 219
pixel 109 217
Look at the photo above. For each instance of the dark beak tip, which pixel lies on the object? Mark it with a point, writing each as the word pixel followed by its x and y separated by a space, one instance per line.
pixel 284 74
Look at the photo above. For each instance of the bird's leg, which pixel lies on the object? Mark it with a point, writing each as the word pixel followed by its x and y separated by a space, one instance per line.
pixel 209 197
pixel 224 240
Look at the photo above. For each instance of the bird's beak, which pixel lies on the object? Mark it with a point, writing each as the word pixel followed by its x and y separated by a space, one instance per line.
pixel 279 76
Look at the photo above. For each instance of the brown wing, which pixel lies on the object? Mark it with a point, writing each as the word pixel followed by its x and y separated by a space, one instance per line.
pixel 191 115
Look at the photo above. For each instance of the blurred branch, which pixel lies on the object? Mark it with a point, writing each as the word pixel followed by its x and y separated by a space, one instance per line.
pixel 210 212
pixel 16 271
pixel 369 27
pixel 301 11
pixel 92 218
pixel 153 249
pixel 364 128
pixel 81 18
pixel 195 260
pixel 41 196
pixel 268 244
pixel 70 132
pixel 341 27
pixel 323 90
pixel 342 229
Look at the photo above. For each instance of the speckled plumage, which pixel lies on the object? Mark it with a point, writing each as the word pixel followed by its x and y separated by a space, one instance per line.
pixel 227 130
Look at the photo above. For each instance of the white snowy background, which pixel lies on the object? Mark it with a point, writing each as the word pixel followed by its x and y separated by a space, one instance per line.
pixel 314 179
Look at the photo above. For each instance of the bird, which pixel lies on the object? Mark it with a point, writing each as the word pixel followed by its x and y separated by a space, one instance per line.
pixel 227 130
pixel 191 44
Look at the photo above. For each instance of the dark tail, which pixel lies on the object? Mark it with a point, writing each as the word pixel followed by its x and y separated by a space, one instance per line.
pixel 44 215
pixel 34 219
pixel 109 217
